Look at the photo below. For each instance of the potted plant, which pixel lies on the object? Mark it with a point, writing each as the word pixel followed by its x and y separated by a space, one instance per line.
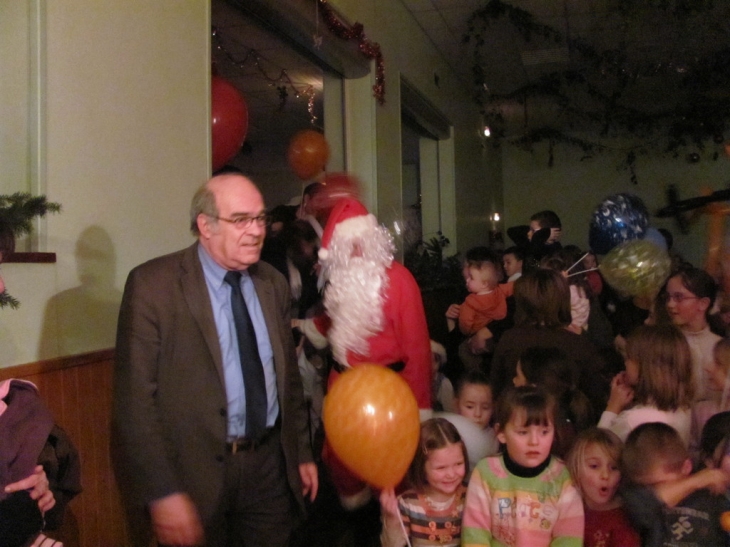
pixel 17 212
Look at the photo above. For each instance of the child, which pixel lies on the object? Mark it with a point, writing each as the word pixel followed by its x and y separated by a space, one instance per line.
pixel 547 219
pixel 442 392
pixel 474 401
pixel 715 442
pixel 523 497
pixel 717 394
pixel 512 259
pixel 668 505
pixel 551 369
pixel 486 302
pixel 657 385
pixel 594 465
pixel 431 510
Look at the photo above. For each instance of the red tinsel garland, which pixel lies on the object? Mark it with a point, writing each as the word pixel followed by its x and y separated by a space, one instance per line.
pixel 369 49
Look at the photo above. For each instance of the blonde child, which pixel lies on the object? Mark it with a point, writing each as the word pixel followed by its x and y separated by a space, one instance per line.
pixel 523 497
pixel 486 302
pixel 657 385
pixel 430 512
pixel 668 504
pixel 594 465
pixel 717 398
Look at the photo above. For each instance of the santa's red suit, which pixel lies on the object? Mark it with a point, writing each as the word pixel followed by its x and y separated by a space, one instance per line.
pixel 402 342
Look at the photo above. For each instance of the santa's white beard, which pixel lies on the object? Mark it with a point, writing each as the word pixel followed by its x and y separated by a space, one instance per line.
pixel 354 296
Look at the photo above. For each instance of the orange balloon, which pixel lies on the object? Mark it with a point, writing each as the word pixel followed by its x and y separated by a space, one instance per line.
pixel 371 421
pixel 308 153
pixel 725 521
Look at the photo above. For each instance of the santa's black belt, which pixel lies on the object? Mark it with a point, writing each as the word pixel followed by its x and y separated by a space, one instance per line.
pixel 395 367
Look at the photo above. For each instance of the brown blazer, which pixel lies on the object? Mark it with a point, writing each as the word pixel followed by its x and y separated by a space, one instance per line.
pixel 169 414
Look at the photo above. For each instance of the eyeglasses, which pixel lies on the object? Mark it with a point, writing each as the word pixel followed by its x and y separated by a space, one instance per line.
pixel 244 221
pixel 678 297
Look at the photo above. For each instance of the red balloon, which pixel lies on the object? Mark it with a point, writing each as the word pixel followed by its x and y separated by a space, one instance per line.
pixel 308 153
pixel 229 119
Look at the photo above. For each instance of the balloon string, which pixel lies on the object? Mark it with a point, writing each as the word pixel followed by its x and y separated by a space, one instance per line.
pixel 403 527
pixel 582 271
pixel 578 262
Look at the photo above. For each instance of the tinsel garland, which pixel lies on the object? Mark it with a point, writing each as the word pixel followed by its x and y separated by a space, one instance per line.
pixel 282 81
pixel 699 117
pixel 369 49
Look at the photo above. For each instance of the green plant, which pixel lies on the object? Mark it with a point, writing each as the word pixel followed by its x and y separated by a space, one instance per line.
pixel 431 269
pixel 17 212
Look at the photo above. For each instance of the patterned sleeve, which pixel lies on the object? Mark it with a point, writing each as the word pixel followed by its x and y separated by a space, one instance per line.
pixel 476 528
pixel 569 528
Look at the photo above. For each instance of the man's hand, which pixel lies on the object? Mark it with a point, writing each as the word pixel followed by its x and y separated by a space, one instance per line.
pixel 37 483
pixel 176 522
pixel 310 480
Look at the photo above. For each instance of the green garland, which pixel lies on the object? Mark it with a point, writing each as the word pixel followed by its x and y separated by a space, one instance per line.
pixel 599 97
pixel 17 212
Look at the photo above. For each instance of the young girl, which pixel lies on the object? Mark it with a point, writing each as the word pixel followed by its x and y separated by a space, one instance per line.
pixel 657 385
pixel 551 369
pixel 473 401
pixel 717 393
pixel 523 497
pixel 430 512
pixel 594 465
pixel 689 297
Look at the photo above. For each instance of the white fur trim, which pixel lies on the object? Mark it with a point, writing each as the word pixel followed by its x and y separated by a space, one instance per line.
pixel 425 414
pixel 355 501
pixel 323 253
pixel 309 330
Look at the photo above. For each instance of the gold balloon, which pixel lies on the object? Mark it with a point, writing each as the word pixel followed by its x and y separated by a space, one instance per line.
pixel 636 268
pixel 371 422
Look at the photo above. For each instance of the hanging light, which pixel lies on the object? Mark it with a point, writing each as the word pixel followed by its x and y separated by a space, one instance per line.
pixel 487 132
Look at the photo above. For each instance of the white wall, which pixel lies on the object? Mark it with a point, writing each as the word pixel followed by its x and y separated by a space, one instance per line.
pixel 409 53
pixel 127 88
pixel 574 187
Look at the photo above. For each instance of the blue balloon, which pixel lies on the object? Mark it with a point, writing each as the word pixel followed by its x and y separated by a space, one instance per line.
pixel 619 218
pixel 656 237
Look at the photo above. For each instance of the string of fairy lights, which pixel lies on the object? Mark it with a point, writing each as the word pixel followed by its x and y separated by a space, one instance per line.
pixel 283 82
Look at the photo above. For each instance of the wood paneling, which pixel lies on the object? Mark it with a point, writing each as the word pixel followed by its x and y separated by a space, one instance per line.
pixel 78 390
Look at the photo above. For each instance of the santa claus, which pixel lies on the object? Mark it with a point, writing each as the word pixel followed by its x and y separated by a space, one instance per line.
pixel 374 314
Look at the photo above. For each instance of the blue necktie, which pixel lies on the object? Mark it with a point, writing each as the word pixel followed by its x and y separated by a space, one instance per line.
pixel 253 371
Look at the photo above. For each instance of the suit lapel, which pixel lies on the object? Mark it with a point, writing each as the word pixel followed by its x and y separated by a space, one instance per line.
pixel 197 299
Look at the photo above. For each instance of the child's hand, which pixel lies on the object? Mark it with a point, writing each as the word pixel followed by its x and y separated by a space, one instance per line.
pixel 453 311
pixel 717 480
pixel 389 504
pixel 622 394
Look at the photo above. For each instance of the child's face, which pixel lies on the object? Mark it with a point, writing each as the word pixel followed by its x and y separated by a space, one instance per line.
pixel 598 478
pixel 475 403
pixel 589 262
pixel 511 264
pixel 717 375
pixel 527 445
pixel 691 310
pixel 481 279
pixel 519 380
pixel 445 470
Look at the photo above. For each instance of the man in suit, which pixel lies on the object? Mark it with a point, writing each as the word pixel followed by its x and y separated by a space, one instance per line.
pixel 180 415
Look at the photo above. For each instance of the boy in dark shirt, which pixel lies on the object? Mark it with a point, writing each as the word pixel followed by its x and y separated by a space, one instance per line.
pixel 666 503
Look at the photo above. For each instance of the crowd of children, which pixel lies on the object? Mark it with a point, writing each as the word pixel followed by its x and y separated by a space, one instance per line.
pixel 645 462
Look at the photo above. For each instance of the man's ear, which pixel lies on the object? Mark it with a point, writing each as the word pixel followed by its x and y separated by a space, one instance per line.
pixel 204 225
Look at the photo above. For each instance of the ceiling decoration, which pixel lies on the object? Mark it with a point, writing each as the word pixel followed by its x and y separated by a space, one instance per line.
pixel 661 84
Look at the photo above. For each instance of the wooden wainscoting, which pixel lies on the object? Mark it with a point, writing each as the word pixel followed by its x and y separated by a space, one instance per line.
pixel 78 390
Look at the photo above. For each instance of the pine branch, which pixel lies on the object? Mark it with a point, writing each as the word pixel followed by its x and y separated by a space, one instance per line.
pixel 18 210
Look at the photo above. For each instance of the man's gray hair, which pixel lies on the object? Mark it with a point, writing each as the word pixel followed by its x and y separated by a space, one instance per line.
pixel 203 203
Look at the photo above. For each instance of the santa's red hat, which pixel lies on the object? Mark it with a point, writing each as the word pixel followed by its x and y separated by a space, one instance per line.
pixel 345 209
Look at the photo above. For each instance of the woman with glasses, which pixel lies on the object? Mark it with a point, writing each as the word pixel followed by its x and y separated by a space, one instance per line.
pixel 689 296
